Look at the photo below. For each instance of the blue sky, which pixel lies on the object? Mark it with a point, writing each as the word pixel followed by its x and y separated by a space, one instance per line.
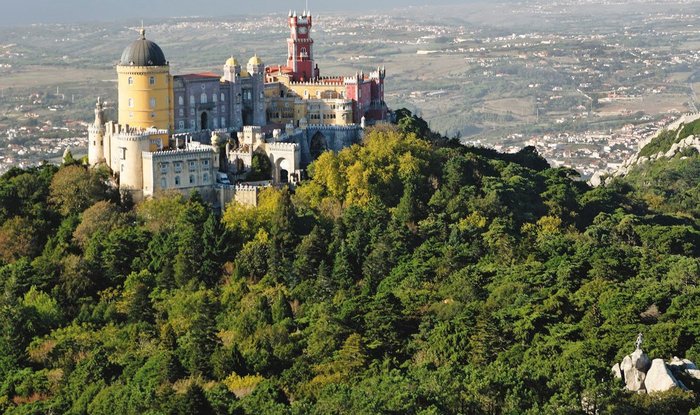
pixel 13 12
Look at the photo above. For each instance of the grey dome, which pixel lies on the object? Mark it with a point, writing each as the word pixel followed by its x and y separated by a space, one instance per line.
pixel 143 52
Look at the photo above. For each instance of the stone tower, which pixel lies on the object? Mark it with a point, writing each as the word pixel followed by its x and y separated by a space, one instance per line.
pixel 256 70
pixel 300 54
pixel 232 74
pixel 145 87
pixel 96 136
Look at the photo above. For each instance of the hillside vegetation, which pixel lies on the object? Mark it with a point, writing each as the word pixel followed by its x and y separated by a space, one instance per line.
pixel 408 275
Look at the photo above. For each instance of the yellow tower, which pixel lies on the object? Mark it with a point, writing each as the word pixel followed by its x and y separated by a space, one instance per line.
pixel 145 87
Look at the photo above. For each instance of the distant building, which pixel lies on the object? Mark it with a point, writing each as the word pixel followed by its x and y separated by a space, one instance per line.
pixel 196 131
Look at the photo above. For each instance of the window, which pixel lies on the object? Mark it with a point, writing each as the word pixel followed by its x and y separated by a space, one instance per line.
pixel 223 108
pixel 205 163
pixel 205 178
pixel 152 80
pixel 181 125
pixel 178 166
pixel 192 164
pixel 203 98
pixel 153 102
pixel 223 97
pixel 216 123
pixel 223 122
pixel 131 115
pixel 192 100
pixel 191 178
pixel 181 112
pixel 213 98
pixel 192 124
pixel 131 103
pixel 191 111
pixel 163 182
pixel 130 80
pixel 180 100
pixel 122 153
pixel 153 115
pixel 177 180
pixel 163 168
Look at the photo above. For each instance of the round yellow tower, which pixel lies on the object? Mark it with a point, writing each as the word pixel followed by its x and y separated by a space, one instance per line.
pixel 145 86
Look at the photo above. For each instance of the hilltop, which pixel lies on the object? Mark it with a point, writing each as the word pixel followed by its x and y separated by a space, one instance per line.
pixel 409 274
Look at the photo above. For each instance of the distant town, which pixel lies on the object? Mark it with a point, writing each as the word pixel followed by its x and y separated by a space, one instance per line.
pixel 564 77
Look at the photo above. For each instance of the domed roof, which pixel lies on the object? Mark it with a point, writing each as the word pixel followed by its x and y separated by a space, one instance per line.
pixel 231 61
pixel 255 60
pixel 143 52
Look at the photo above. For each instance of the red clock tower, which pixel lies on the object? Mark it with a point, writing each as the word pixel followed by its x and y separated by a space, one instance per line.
pixel 300 56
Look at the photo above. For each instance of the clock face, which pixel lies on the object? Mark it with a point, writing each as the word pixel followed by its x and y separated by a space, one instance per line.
pixel 303 30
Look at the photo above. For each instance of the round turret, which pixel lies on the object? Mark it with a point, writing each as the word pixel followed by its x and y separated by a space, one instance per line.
pixel 143 52
pixel 255 60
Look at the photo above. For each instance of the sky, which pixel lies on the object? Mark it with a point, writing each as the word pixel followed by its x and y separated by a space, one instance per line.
pixel 22 12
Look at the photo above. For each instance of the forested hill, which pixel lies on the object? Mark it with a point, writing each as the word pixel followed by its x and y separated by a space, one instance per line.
pixel 408 275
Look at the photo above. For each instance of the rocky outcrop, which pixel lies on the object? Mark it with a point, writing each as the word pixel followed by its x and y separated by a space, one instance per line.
pixel 682 144
pixel 642 375
pixel 659 378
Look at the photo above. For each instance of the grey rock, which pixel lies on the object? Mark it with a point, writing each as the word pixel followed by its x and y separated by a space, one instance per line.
pixel 659 378
pixel 626 364
pixel 640 360
pixel 634 380
pixel 616 371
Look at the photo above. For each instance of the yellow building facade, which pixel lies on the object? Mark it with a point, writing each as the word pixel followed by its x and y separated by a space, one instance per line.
pixel 145 88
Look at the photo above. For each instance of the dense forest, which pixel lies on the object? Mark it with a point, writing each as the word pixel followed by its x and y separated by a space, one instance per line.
pixel 407 275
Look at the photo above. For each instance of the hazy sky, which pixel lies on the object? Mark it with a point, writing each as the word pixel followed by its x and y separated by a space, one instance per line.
pixel 20 12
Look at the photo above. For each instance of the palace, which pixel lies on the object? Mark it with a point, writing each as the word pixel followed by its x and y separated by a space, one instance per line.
pixel 201 131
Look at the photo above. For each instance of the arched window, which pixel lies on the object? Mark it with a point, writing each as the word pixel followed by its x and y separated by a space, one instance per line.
pixel 303 53
pixel 205 178
pixel 223 97
pixel 131 103
pixel 180 100
pixel 191 178
pixel 192 100
pixel 213 98
pixel 177 180
pixel 181 125
pixel 130 80
pixel 203 98
pixel 223 122
pixel 163 183
pixel 152 80
pixel 153 102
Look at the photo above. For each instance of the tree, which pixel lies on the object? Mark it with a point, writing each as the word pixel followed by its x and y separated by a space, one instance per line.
pixel 75 188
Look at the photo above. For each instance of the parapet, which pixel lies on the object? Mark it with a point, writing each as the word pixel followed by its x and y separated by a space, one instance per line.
pixel 282 146
pixel 328 127
pixel 176 154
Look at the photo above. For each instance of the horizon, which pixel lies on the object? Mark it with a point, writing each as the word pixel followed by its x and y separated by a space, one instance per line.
pixel 86 11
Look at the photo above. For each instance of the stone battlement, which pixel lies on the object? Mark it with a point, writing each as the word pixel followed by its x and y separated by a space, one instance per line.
pixel 333 127
pixel 122 136
pixel 178 153
pixel 282 146
pixel 247 188
pixel 320 82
